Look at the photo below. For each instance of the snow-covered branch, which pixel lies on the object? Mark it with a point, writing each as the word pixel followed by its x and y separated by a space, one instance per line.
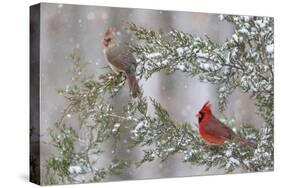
pixel 244 61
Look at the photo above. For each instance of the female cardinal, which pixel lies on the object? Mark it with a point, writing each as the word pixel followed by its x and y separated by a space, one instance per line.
pixel 215 132
pixel 120 59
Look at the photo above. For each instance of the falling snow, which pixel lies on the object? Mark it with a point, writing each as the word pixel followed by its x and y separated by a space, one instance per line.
pixel 91 16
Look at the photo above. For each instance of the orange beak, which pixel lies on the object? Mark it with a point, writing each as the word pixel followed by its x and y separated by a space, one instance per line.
pixel 102 41
pixel 198 115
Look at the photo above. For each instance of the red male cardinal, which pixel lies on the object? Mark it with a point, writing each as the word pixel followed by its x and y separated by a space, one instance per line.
pixel 120 59
pixel 215 132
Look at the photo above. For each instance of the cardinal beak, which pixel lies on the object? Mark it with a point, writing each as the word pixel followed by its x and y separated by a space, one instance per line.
pixel 198 115
pixel 103 42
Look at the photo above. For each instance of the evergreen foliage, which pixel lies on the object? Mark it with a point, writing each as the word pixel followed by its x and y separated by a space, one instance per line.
pixel 244 62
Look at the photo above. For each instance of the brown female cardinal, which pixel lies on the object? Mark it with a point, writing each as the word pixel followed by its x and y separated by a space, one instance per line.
pixel 213 131
pixel 120 59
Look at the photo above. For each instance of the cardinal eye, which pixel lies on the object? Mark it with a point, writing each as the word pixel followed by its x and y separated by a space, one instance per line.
pixel 108 40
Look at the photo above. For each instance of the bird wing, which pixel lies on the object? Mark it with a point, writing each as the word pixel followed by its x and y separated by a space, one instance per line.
pixel 122 59
pixel 216 128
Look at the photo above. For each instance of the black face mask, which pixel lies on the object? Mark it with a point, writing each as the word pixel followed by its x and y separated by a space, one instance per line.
pixel 201 117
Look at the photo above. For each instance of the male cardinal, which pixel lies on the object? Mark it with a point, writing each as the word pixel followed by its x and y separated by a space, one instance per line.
pixel 215 132
pixel 120 59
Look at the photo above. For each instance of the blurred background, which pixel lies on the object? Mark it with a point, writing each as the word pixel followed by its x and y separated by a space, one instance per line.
pixel 68 27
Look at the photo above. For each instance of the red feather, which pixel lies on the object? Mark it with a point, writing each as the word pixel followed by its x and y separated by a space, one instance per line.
pixel 214 131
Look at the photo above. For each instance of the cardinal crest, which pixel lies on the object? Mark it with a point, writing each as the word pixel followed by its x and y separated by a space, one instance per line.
pixel 109 31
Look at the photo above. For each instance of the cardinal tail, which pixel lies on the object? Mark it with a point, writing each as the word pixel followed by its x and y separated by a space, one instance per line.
pixel 247 142
pixel 133 85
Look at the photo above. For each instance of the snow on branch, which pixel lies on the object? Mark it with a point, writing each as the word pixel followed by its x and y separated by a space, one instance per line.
pixel 244 61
